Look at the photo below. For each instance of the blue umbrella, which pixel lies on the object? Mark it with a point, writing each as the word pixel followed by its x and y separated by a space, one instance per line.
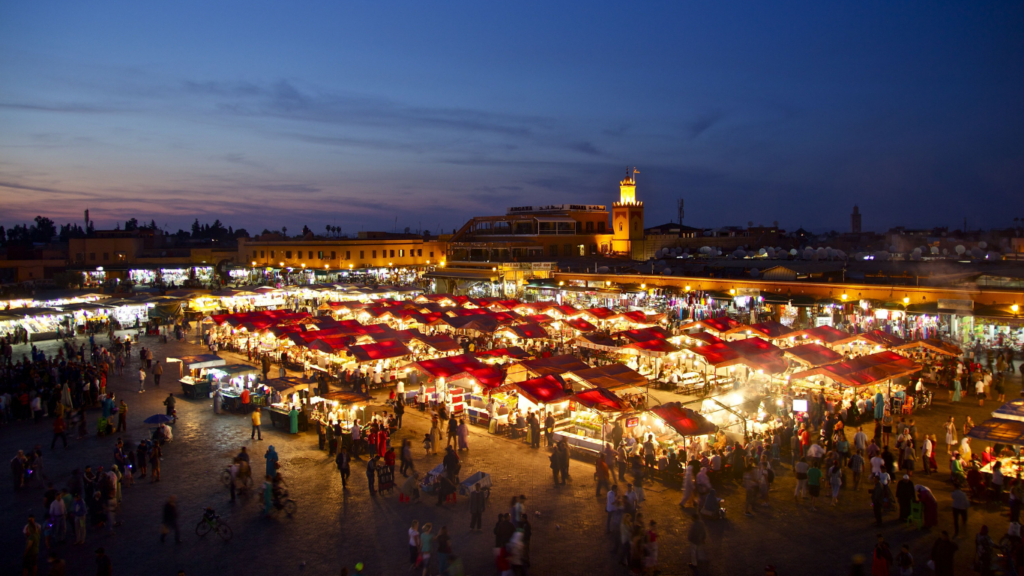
pixel 158 419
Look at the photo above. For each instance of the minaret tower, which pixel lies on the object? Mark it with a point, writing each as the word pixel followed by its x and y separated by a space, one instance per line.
pixel 627 217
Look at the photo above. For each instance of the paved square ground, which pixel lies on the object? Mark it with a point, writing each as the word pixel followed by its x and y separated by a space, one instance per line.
pixel 335 528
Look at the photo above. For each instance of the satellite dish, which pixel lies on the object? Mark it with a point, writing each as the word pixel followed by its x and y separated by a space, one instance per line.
pixel 821 253
pixel 960 249
pixel 754 272
pixel 792 252
pixel 982 244
pixel 666 271
pixel 935 250
pixel 602 270
pixel 762 252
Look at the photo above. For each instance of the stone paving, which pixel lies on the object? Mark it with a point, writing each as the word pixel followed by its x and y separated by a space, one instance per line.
pixel 335 528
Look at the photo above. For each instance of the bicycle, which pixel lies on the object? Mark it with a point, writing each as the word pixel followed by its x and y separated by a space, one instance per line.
pixel 212 522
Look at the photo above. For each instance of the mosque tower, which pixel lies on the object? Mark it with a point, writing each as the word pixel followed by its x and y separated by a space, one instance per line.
pixel 627 217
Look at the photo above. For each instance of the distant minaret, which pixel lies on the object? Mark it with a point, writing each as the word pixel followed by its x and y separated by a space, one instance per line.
pixel 627 217
pixel 87 219
pixel 855 220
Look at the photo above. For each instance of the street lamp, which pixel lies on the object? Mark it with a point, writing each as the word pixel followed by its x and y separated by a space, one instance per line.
pixel 906 300
pixel 1015 308
pixel 843 297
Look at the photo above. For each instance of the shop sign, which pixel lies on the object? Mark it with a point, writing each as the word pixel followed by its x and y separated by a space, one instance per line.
pixel 632 422
pixel 822 321
pixel 752 292
pixel 960 305
pixel 540 266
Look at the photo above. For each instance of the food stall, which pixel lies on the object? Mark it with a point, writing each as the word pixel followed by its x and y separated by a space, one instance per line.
pixel 1004 431
pixel 293 392
pixel 544 395
pixel 340 408
pixel 589 411
pixel 194 376
pixel 673 425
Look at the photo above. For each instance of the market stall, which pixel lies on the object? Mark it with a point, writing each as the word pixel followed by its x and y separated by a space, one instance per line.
pixel 1001 431
pixel 194 377
pixel 590 411
pixel 673 426
pixel 552 366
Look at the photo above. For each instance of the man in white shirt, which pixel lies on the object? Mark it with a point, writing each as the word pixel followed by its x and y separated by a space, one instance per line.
pixel 860 440
pixel 926 452
pixel 610 507
pixel 815 453
pixel 877 465
pixel 980 389
pixel 58 513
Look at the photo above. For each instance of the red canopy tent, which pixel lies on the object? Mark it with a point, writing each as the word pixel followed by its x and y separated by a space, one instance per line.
pixel 812 355
pixel 510 352
pixel 379 351
pixel 601 400
pixel 645 334
pixel 579 324
pixel 653 347
pixel 705 337
pixel 440 342
pixel 538 318
pixel 771 330
pixel 683 420
pixel 610 376
pixel 825 334
pixel 933 344
pixel 527 331
pixel 600 313
pixel 547 389
pixel 546 366
pixel 865 370
pixel 596 342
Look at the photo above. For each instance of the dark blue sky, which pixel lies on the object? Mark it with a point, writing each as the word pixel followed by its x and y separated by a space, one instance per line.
pixel 352 113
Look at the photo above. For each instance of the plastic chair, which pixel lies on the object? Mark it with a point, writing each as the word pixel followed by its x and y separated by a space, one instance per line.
pixel 916 514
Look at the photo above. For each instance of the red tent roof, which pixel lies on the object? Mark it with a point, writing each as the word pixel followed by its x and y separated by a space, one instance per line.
pixel 611 376
pixel 813 354
pixel 329 344
pixel 510 352
pixel 440 342
pixel 529 331
pixel 599 313
pixel 865 370
pixel 596 341
pixel 579 324
pixel 638 317
pixel 538 318
pixel 554 365
pixel 753 346
pixel 826 334
pixel 684 420
pixel 718 355
pixel 546 389
pixel 379 351
pixel 461 366
pixel 566 310
pixel 654 347
pixel 705 337
pixel 645 334
pixel 601 399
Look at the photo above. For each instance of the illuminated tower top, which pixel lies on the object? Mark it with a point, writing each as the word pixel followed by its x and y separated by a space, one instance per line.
pixel 627 187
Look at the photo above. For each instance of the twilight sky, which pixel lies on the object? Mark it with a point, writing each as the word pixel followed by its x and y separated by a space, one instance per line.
pixel 266 114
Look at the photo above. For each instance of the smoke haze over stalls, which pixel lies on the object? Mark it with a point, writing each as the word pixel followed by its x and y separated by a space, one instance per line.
pixel 270 114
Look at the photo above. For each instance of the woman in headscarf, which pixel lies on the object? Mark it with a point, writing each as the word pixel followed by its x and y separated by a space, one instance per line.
pixel 463 432
pixel 435 438
pixel 956 469
pixel 217 400
pixel 965 449
pixel 271 457
pixel 929 506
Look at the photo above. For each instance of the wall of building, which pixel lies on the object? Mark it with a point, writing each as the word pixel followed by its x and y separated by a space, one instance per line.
pixel 340 253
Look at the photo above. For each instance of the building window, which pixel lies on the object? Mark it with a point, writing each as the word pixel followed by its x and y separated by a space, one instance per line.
pixel 309 257
pixel 333 255
pixel 348 255
pixel 121 256
pixel 392 254
pixel 80 257
pixel 253 253
pixel 431 253
pixel 401 253
pixel 553 250
pixel 600 226
pixel 373 254
pixel 262 254
pixel 320 255
pixel 288 255
pixel 590 226
pixel 273 254
pixel 92 256
pixel 361 257
pixel 593 248
pixel 106 256
pixel 419 252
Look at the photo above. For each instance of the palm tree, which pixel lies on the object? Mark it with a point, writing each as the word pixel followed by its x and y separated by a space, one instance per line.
pixel 328 229
pixel 284 231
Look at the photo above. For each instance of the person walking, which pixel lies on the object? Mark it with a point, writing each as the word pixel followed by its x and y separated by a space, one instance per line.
pixel 142 380
pixel 603 476
pixel 79 510
pixel 800 471
pixel 943 552
pixel 343 461
pixel 104 567
pixel 157 371
pixel 414 544
pixel 155 453
pixel 58 514
pixel 426 546
pixel 960 505
pixel 371 472
pixel 405 456
pixel 60 430
pixel 169 404
pixel 477 505
pixel 697 536
pixel 169 520
pixel 257 434
pixel 122 416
